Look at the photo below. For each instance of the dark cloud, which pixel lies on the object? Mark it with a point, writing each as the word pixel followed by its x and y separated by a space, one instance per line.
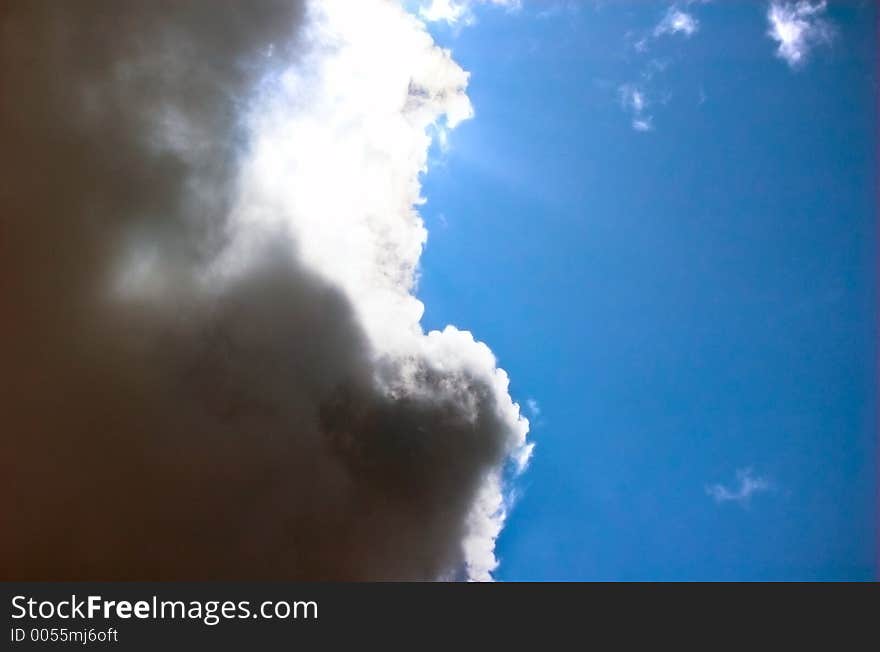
pixel 234 427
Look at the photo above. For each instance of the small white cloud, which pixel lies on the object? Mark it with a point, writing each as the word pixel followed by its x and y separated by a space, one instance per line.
pixel 533 407
pixel 632 97
pixel 448 11
pixel 634 100
pixel 458 11
pixel 748 485
pixel 676 21
pixel 797 27
pixel 637 101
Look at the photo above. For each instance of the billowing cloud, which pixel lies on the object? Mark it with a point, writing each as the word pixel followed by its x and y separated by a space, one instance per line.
pixel 208 258
pixel 676 21
pixel 797 27
pixel 748 484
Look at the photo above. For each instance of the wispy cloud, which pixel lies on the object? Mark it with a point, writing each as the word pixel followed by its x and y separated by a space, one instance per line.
pixel 797 27
pixel 533 407
pixel 676 21
pixel 747 485
pixel 559 8
pixel 634 100
pixel 634 96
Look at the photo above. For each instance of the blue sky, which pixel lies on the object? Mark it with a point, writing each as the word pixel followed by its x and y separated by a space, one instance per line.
pixel 683 284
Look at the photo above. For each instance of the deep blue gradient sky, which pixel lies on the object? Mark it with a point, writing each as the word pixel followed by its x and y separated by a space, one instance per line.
pixel 682 303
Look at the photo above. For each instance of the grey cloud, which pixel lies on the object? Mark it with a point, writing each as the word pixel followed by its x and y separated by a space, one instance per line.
pixel 233 427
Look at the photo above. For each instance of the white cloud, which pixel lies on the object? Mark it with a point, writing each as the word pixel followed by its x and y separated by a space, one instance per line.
pixel 339 146
pixel 458 11
pixel 634 96
pixel 533 407
pixel 449 11
pixel 677 21
pixel 797 27
pixel 637 100
pixel 634 100
pixel 747 485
